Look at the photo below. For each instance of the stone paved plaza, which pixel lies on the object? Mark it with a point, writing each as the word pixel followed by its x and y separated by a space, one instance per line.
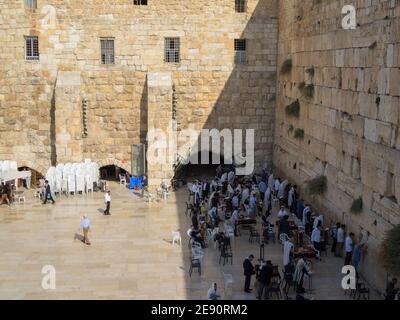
pixel 131 256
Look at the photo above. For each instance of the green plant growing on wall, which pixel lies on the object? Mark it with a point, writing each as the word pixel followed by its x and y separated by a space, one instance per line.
pixel 357 206
pixel 310 71
pixel 317 186
pixel 299 134
pixel 307 90
pixel 390 251
pixel 293 109
pixel 286 66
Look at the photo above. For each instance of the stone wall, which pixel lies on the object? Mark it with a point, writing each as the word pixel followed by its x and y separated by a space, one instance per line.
pixel 351 124
pixel 210 90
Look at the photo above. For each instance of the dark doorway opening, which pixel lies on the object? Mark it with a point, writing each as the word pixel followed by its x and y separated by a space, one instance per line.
pixel 112 172
pixel 34 181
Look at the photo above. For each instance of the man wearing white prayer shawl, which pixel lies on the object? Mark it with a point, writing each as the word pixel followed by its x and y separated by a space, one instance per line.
pixel 224 177
pixel 267 201
pixel 288 248
pixel 231 177
pixel 277 185
pixel 245 194
pixel 290 197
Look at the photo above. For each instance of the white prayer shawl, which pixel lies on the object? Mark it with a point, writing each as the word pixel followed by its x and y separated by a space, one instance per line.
pixel 291 197
pixel 245 194
pixel 305 211
pixel 287 247
pixel 231 177
pixel 224 177
pixel 267 201
pixel 277 185
pixel 282 188
pixel 231 192
pixel 299 271
pixel 271 181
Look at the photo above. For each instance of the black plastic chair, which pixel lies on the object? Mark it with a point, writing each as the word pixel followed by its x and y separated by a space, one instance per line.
pixel 226 254
pixel 194 264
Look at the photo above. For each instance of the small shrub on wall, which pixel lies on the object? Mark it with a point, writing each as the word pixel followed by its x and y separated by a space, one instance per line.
pixel 317 186
pixel 286 66
pixel 390 251
pixel 293 109
pixel 356 206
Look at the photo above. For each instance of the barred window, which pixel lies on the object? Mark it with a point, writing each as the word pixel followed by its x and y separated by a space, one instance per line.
pixel 172 48
pixel 240 51
pixel 31 48
pixel 31 4
pixel 140 2
pixel 107 51
pixel 240 5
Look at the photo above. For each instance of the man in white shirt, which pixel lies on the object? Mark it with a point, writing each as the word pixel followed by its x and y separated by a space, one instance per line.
pixel 349 248
pixel 85 226
pixel 282 212
pixel 340 240
pixel 316 239
pixel 235 202
pixel 107 201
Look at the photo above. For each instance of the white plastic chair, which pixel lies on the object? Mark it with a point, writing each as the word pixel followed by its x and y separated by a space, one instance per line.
pixel 176 237
pixel 228 285
pixel 71 184
pixel 122 179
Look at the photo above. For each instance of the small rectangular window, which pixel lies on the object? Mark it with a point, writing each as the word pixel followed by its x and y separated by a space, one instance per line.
pixel 31 48
pixel 240 51
pixel 107 51
pixel 172 50
pixel 31 4
pixel 240 5
pixel 140 2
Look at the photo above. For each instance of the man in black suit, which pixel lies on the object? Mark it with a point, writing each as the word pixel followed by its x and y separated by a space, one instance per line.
pixel 264 280
pixel 47 194
pixel 248 272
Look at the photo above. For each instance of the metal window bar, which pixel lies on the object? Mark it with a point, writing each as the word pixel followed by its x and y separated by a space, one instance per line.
pixel 107 51
pixel 31 4
pixel 172 50
pixel 240 5
pixel 240 51
pixel 31 48
pixel 140 2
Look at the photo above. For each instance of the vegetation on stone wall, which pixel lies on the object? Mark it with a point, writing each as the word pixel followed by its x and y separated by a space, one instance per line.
pixel 299 134
pixel 310 71
pixel 317 186
pixel 286 66
pixel 356 206
pixel 390 251
pixel 293 109
pixel 307 90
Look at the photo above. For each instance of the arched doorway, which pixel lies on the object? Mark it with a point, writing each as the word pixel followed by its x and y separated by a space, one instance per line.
pixel 112 172
pixel 201 171
pixel 35 177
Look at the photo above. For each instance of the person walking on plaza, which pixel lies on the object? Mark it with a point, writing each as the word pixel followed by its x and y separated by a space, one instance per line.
pixel 85 226
pixel 349 244
pixel 47 193
pixel 248 272
pixel 107 201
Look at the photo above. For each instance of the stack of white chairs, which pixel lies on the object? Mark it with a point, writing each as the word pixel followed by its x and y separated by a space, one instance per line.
pixel 80 179
pixel 73 178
